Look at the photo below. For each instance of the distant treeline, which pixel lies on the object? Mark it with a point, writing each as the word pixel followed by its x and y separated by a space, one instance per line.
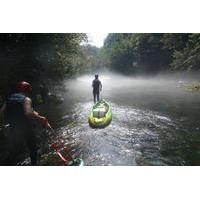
pixel 39 58
pixel 46 58
pixel 150 53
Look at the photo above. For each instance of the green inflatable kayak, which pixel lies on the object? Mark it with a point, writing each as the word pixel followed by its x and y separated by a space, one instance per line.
pixel 100 115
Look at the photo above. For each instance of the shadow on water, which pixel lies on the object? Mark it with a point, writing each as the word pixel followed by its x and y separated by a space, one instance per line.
pixel 155 122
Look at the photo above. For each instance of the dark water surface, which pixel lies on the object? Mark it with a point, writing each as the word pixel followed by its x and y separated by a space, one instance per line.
pixel 155 122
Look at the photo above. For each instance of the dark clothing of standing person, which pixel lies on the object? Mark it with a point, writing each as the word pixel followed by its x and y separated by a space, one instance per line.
pixel 21 128
pixel 97 87
pixel 19 114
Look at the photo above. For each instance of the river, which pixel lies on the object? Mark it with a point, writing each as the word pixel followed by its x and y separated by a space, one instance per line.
pixel 155 122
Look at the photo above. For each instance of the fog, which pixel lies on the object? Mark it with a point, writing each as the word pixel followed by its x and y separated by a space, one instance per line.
pixel 155 119
pixel 136 91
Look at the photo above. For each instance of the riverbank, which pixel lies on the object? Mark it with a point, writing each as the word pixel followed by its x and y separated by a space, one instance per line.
pixel 193 87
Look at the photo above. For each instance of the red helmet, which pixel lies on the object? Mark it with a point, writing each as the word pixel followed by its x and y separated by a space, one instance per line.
pixel 24 86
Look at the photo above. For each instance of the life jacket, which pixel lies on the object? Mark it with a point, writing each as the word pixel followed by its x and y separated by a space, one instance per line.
pixel 96 84
pixel 15 109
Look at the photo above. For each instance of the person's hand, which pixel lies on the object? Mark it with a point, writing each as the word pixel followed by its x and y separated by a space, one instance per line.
pixel 36 113
pixel 44 121
pixel 47 125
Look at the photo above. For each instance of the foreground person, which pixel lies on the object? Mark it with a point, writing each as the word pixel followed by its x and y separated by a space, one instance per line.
pixel 19 114
pixel 97 87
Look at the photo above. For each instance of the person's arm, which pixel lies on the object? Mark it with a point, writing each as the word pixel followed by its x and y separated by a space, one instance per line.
pixel 30 113
pixel 100 86
pixel 92 83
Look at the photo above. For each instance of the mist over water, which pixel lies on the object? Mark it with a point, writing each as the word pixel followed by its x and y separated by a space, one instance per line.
pixel 155 121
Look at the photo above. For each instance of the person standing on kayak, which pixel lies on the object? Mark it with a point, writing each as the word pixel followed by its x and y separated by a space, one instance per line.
pixel 19 113
pixel 97 87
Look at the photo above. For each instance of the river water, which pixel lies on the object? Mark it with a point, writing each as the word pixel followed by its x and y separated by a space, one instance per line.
pixel 155 122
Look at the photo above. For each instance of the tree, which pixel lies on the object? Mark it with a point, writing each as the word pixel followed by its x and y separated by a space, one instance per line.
pixel 36 57
pixel 134 53
pixel 188 58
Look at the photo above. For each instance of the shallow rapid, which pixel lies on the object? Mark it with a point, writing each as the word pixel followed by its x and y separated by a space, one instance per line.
pixel 155 122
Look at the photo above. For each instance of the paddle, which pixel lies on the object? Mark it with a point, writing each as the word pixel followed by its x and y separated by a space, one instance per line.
pixel 55 147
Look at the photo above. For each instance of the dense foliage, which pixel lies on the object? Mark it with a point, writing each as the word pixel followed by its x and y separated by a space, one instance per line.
pixel 90 59
pixel 151 53
pixel 47 57
pixel 38 57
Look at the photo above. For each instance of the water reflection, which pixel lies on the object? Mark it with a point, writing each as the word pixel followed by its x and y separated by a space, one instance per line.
pixel 155 122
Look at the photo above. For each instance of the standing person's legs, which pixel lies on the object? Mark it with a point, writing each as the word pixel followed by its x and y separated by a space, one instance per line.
pixel 97 96
pixel 14 146
pixel 94 94
pixel 32 146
